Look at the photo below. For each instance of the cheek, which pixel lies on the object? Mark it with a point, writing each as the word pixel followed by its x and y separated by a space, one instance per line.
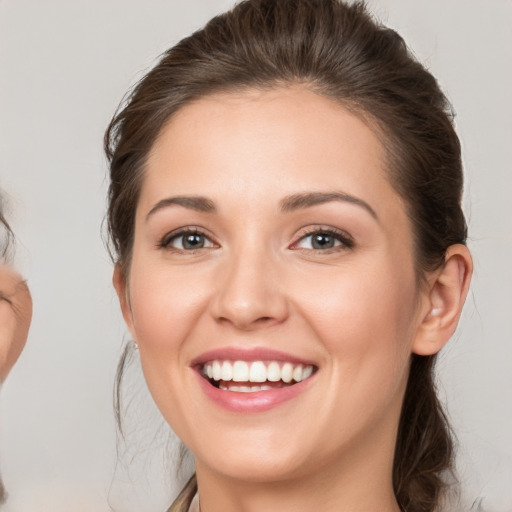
pixel 14 326
pixel 7 330
pixel 365 326
pixel 166 304
pixel 365 319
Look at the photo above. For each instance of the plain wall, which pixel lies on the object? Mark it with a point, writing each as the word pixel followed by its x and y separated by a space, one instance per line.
pixel 64 67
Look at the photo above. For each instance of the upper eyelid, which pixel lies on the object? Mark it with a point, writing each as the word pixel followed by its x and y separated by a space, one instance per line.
pixel 347 241
pixel 301 233
pixel 165 239
pixel 308 231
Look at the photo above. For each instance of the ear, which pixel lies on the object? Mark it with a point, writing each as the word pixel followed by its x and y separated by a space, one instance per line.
pixel 447 290
pixel 123 294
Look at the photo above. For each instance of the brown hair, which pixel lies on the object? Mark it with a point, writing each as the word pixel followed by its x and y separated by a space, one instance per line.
pixel 339 51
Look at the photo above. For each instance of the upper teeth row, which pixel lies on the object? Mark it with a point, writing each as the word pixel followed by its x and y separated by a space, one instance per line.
pixel 257 371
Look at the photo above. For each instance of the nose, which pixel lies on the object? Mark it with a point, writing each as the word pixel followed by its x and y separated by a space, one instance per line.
pixel 249 294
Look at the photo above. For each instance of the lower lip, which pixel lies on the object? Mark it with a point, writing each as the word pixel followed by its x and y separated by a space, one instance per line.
pixel 258 401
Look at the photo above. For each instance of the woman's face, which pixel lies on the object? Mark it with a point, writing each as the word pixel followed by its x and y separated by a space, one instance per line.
pixel 272 253
pixel 15 316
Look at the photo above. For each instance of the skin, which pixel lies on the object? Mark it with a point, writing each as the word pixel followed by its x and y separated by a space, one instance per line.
pixel 15 316
pixel 355 310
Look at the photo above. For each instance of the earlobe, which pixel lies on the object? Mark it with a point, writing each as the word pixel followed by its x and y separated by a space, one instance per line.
pixel 446 295
pixel 121 287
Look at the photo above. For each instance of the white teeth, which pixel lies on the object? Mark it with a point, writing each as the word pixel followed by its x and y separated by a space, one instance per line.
pixel 297 373
pixel 244 389
pixel 216 370
pixel 257 371
pixel 273 372
pixel 226 371
pixel 287 372
pixel 240 371
pixel 308 370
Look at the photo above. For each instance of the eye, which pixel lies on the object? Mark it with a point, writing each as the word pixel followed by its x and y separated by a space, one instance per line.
pixel 187 240
pixel 323 240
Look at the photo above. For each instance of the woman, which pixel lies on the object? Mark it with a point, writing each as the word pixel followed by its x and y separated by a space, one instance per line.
pixel 15 314
pixel 285 215
pixel 15 309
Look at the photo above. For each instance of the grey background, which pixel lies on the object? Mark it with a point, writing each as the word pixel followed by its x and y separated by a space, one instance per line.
pixel 64 66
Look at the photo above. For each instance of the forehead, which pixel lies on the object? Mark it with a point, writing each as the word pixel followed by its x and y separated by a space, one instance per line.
pixel 264 143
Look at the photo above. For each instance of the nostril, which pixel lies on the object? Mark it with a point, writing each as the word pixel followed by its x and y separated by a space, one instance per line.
pixel 264 319
pixel 247 321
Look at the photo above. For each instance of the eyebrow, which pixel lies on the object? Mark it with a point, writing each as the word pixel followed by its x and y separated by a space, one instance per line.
pixel 197 203
pixel 288 204
pixel 306 200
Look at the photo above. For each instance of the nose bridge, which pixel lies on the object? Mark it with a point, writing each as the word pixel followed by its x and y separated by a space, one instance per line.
pixel 248 294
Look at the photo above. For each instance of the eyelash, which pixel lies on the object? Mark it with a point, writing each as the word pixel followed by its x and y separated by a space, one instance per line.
pixel 344 239
pixel 165 242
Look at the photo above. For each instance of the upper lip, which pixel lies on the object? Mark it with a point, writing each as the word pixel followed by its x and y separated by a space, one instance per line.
pixel 249 355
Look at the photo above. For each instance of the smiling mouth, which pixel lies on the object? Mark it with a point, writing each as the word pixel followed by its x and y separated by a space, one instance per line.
pixel 250 377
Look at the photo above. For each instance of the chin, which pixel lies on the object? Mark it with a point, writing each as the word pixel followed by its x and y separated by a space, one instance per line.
pixel 257 467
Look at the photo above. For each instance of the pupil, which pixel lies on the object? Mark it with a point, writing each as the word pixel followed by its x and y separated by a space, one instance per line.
pixel 323 241
pixel 193 241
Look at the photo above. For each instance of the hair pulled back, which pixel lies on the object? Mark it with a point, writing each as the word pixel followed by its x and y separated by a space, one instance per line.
pixel 339 51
